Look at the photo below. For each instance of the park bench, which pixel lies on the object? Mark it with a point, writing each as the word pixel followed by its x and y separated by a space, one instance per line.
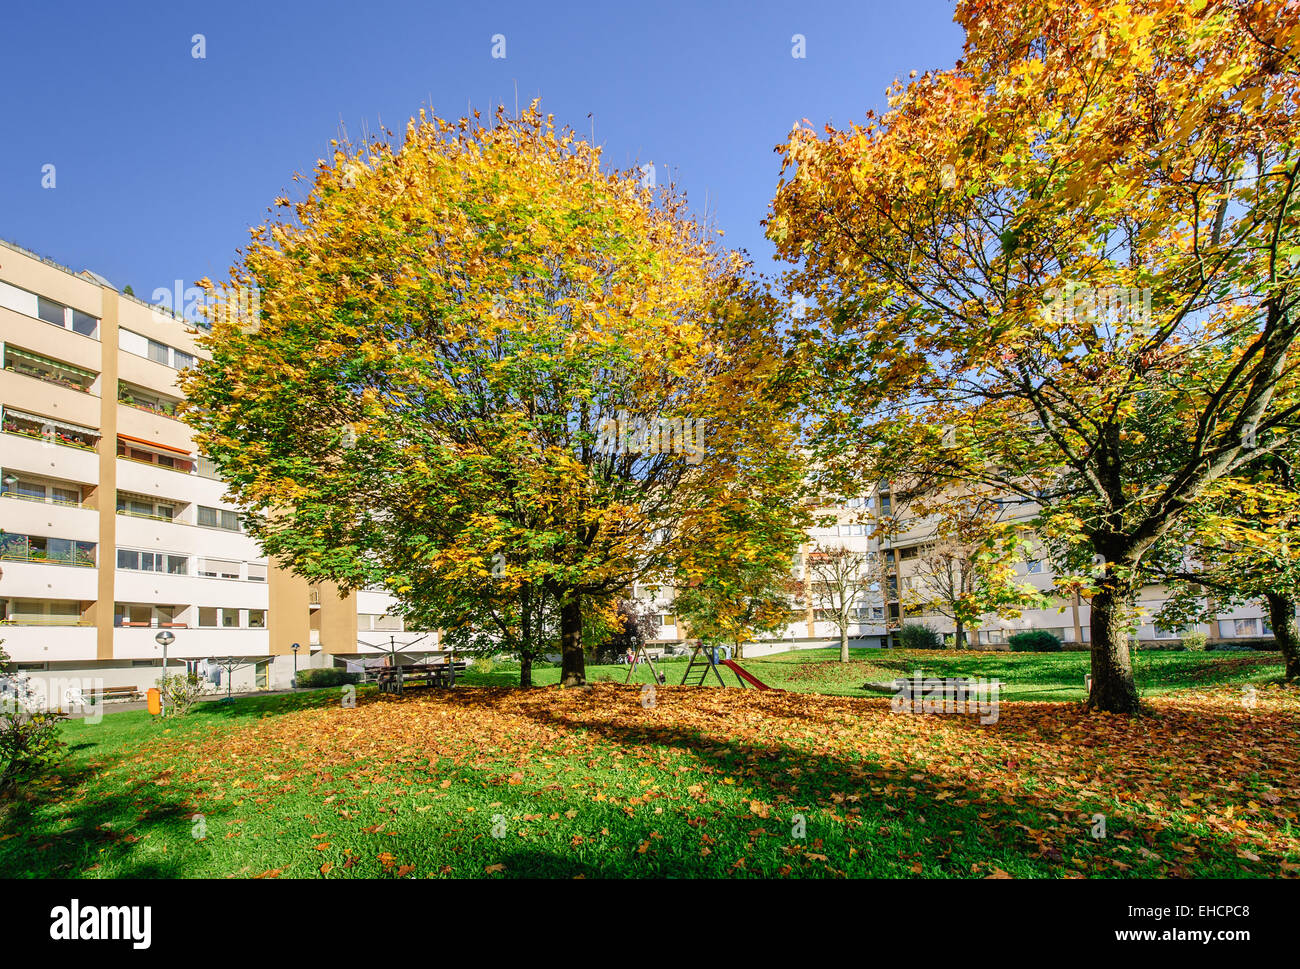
pixel 115 693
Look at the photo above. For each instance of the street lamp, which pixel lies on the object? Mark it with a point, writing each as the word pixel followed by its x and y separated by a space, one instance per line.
pixel 164 639
pixel 295 648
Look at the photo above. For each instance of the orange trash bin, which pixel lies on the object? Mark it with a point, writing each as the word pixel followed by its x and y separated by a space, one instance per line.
pixel 154 699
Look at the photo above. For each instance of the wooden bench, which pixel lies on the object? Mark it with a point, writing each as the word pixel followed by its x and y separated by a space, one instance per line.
pixel 114 693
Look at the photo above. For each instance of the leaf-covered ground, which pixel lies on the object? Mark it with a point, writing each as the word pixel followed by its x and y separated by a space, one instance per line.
pixel 704 782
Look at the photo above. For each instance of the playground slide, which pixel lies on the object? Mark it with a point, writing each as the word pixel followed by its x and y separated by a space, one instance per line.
pixel 745 675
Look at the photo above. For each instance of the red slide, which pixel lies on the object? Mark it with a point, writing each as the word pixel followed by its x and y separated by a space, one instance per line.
pixel 748 677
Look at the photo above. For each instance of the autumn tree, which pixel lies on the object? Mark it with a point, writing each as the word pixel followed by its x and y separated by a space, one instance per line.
pixel 479 364
pixel 736 607
pixel 967 568
pixel 1240 544
pixel 632 628
pixel 1091 216
pixel 838 582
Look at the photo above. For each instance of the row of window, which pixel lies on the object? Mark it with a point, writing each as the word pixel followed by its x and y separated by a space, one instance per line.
pixel 51 311
pixel 142 346
pixel 208 617
pixel 177 564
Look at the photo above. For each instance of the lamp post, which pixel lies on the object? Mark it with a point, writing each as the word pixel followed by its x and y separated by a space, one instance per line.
pixel 164 639
pixel 295 648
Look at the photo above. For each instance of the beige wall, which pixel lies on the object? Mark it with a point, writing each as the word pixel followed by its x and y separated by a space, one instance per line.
pixel 107 488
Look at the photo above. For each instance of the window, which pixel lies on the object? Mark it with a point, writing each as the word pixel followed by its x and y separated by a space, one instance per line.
pixel 181 360
pixel 50 311
pixel 907 553
pixel 133 560
pixel 42 491
pixel 1034 567
pixel 218 568
pixel 1245 627
pixel 256 618
pixel 207 616
pixel 142 507
pixel 669 621
pixel 219 518
pixel 256 572
pixel 84 323
pixel 160 352
pixel 229 618
pixel 40 612
pixel 37 548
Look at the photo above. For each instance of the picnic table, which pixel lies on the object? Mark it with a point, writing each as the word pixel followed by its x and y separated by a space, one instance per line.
pixel 392 679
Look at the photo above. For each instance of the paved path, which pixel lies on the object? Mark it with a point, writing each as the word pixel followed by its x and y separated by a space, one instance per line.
pixel 119 707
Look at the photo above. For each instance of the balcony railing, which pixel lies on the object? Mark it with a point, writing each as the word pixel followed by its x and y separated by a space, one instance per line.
pixel 42 621
pixel 54 436
pixel 78 558
pixel 50 500
pixel 81 385
pixel 141 514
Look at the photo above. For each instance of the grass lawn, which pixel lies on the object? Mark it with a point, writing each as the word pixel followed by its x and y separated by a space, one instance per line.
pixel 499 782
pixel 1023 676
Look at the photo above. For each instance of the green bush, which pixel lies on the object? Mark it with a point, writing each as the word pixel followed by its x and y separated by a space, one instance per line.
pixel 29 738
pixel 326 676
pixel 916 636
pixel 1194 641
pixel 179 692
pixel 1034 641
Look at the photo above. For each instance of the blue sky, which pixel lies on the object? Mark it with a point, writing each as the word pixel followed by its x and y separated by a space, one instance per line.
pixel 162 160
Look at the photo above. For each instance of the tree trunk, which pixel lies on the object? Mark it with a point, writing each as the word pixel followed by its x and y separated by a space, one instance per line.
pixel 1281 616
pixel 1113 689
pixel 573 666
pixel 959 637
pixel 526 670
pixel 740 649
pixel 844 645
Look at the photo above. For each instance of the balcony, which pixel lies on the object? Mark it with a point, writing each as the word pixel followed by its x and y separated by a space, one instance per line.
pixel 48 370
pixel 47 551
pixel 139 643
pixel 32 643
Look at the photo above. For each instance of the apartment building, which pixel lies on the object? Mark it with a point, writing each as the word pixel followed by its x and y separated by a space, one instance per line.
pixel 113 528
pixel 895 580
pixel 1068 617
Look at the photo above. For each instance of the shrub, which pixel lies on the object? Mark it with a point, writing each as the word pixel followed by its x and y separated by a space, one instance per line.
pixel 29 736
pixel 179 692
pixel 1194 641
pixel 29 742
pixel 916 636
pixel 484 664
pixel 326 676
pixel 1034 641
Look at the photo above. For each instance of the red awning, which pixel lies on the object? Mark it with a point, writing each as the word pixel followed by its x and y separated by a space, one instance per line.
pixel 155 444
